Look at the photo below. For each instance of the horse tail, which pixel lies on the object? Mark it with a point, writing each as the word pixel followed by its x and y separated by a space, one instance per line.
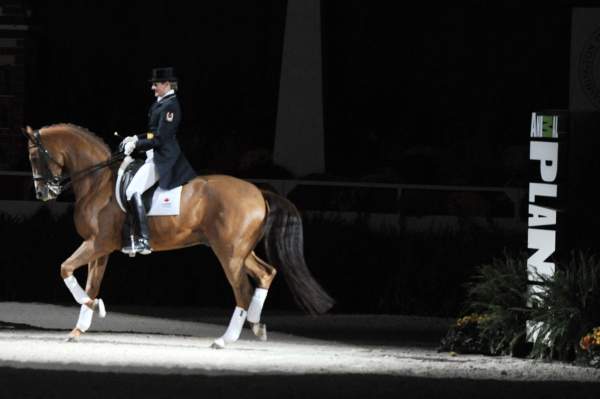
pixel 284 247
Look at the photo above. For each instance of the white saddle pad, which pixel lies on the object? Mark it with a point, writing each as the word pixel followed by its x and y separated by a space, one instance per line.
pixel 165 202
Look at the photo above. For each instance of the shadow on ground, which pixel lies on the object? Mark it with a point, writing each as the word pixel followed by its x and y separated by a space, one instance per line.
pixel 26 383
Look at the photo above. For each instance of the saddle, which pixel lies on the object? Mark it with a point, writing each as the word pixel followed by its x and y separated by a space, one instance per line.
pixel 130 171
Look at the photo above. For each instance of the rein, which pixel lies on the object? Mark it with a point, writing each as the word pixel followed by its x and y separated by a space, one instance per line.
pixel 58 184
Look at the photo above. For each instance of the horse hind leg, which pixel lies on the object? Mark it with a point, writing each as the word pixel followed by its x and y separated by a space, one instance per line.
pixel 263 274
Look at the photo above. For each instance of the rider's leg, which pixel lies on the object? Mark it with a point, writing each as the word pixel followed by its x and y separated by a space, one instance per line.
pixel 145 177
pixel 128 236
pixel 142 219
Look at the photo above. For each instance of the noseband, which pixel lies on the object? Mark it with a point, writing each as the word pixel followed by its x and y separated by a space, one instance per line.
pixel 54 183
pixel 58 183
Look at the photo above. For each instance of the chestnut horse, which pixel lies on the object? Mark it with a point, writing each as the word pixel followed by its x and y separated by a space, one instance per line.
pixel 228 214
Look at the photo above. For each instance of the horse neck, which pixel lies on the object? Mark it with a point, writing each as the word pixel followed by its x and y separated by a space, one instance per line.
pixel 83 152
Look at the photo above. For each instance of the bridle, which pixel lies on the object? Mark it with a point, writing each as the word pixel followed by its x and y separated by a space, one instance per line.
pixel 59 183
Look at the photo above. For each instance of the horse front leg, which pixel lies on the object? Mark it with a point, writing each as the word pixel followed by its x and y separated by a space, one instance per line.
pixel 95 275
pixel 96 270
pixel 232 265
pixel 86 253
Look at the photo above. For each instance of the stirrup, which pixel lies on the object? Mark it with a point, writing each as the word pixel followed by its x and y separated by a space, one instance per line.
pixel 143 246
pixel 130 249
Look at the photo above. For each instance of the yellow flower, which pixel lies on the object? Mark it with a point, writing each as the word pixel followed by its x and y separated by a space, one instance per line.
pixel 589 340
pixel 473 318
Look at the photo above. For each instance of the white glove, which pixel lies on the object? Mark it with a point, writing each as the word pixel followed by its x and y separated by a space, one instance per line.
pixel 129 147
pixel 129 139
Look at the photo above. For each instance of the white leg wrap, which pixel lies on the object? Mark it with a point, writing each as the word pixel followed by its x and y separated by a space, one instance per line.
pixel 85 318
pixel 78 292
pixel 235 325
pixel 101 308
pixel 86 315
pixel 256 305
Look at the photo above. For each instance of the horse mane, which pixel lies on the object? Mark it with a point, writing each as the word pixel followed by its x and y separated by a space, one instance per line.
pixel 81 131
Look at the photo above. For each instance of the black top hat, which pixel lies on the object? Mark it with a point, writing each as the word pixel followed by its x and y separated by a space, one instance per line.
pixel 166 74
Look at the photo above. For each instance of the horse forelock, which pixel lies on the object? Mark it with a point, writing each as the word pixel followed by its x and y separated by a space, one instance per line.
pixel 78 131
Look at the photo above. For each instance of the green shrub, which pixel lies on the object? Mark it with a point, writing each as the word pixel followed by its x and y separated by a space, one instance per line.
pixel 496 305
pixel 567 307
pixel 564 311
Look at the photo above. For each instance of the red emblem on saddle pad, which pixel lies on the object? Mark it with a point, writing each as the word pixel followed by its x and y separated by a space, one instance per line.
pixel 166 199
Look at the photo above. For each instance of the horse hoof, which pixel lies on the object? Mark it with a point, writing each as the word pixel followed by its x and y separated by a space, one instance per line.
pixel 260 330
pixel 72 338
pixel 218 343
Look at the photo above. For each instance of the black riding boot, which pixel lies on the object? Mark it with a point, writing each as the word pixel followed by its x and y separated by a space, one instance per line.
pixel 129 232
pixel 142 240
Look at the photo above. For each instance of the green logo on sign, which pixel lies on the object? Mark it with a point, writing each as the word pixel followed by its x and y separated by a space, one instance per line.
pixel 545 126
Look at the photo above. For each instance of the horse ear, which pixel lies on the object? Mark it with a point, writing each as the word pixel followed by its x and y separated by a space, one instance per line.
pixel 27 132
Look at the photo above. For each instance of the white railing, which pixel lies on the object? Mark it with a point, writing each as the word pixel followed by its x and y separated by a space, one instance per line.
pixel 421 222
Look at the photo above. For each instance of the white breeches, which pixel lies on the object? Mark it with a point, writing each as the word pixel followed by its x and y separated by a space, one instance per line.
pixel 145 178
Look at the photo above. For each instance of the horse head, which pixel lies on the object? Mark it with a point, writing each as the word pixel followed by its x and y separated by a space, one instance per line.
pixel 59 152
pixel 47 164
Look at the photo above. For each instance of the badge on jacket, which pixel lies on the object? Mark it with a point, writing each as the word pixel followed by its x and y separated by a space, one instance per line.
pixel 169 116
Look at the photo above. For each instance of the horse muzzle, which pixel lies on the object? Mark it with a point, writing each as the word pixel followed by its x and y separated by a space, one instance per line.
pixel 47 193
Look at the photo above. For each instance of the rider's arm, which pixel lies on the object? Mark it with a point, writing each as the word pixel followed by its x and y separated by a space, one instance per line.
pixel 168 124
pixel 146 141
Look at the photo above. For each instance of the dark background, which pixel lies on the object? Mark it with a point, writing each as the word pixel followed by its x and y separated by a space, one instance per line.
pixel 413 93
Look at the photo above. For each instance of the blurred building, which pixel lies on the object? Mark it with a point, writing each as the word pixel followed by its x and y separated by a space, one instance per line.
pixel 299 142
pixel 14 30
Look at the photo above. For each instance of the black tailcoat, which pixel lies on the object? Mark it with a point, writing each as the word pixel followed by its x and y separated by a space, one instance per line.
pixel 163 122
